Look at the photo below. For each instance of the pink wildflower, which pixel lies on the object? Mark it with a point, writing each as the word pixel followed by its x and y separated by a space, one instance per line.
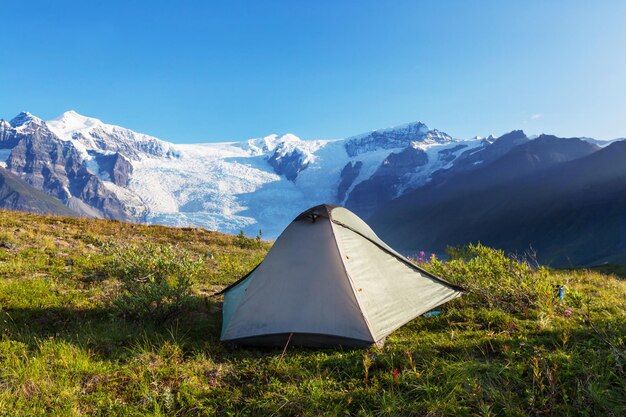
pixel 396 374
pixel 567 312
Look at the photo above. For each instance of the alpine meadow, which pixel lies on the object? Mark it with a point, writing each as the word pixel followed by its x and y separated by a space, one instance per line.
pixel 79 338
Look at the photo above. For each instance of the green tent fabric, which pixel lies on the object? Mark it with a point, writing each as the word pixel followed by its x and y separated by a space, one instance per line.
pixel 329 281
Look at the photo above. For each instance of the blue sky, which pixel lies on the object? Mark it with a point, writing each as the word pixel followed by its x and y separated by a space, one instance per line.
pixel 229 70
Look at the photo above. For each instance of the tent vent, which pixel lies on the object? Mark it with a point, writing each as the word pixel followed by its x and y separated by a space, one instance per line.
pixel 313 217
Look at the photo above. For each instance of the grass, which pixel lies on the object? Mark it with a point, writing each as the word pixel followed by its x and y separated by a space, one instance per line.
pixel 512 350
pixel 617 270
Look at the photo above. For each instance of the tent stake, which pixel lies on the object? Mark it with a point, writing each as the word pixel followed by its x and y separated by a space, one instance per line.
pixel 285 349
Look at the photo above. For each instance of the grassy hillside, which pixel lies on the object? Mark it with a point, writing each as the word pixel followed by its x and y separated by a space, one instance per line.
pixel 69 344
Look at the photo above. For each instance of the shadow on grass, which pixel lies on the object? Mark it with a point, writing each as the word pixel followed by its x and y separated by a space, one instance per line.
pixel 197 328
pixel 102 331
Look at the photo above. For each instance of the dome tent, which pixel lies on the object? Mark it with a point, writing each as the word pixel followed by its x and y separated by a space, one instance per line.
pixel 329 280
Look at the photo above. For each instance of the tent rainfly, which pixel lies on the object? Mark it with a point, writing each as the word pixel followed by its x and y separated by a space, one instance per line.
pixel 329 281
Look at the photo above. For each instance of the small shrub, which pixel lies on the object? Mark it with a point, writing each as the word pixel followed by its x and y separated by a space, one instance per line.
pixel 492 279
pixel 249 243
pixel 6 239
pixel 156 280
pixel 575 298
pixel 231 267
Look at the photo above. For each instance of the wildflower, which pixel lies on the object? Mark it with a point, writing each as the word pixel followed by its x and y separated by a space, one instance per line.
pixel 422 255
pixel 395 373
pixel 567 312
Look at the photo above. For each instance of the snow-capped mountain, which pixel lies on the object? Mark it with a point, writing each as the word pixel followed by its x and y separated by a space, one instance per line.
pixel 29 149
pixel 105 170
pixel 263 183
pixel 90 134
pixel 259 183
pixel 395 137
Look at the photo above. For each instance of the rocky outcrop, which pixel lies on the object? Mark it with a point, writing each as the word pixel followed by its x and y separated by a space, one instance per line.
pixel 124 141
pixel 56 167
pixel 491 150
pixel 386 182
pixel 289 163
pixel 113 167
pixel 8 136
pixel 393 138
pixel 46 163
pixel 16 194
pixel 95 194
pixel 449 154
pixel 348 174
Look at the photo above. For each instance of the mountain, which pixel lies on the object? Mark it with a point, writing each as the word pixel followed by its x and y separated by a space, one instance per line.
pixel 262 183
pixel 90 134
pixel 490 150
pixel 16 194
pixel 420 187
pixel 57 167
pixel 419 153
pixel 602 143
pixel 563 198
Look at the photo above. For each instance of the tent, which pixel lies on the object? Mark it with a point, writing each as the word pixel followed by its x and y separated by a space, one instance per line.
pixel 328 280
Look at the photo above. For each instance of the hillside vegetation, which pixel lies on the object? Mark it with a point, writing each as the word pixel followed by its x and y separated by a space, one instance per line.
pixel 108 318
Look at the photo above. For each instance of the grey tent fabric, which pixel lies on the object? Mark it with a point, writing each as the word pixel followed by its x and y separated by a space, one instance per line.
pixel 328 281
pixel 300 287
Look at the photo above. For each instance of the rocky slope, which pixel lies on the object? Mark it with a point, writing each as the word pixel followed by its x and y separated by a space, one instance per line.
pixel 563 199
pixel 56 167
pixel 16 194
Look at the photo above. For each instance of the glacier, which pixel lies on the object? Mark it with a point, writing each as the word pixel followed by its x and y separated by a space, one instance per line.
pixel 256 184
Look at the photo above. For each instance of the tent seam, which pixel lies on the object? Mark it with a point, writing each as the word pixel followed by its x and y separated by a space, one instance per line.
pixel 356 296
pixel 401 258
pixel 458 292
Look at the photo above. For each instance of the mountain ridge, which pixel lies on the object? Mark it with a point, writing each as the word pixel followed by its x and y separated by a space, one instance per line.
pixel 212 185
pixel 567 213
pixel 105 170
